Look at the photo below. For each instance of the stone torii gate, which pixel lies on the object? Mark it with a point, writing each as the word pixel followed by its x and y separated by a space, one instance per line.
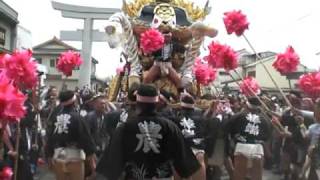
pixel 87 35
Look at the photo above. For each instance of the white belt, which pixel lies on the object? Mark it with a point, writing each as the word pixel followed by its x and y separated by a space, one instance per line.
pixel 249 150
pixel 68 154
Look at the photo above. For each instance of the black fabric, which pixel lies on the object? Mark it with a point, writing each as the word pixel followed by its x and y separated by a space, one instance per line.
pixel 187 99
pixel 65 96
pixel 124 150
pixel 147 13
pixel 239 125
pixel 103 134
pixel 78 134
pixel 181 16
pixel 289 121
pixel 24 169
pixel 112 162
pixel 168 113
pixel 296 142
pixel 193 116
pixel 147 90
pixel 29 119
pixel 214 129
pixel 254 101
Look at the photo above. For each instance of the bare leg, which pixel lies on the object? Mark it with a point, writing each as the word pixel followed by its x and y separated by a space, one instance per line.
pixel 176 176
pixel 257 169
pixel 152 74
pixel 229 166
pixel 240 167
pixel 174 77
pixel 201 173
pixel 286 164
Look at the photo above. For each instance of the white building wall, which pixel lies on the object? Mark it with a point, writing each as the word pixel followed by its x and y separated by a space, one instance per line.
pixel 24 38
pixel 264 79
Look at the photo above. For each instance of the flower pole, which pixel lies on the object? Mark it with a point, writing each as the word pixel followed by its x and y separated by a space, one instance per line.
pixel 223 56
pixel 20 70
pixel 268 72
pixel 17 146
pixel 237 23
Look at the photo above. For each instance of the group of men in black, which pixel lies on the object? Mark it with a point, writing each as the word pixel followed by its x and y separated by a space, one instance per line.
pixel 146 137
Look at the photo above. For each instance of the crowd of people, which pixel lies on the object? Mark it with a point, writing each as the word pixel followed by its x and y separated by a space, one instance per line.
pixel 81 135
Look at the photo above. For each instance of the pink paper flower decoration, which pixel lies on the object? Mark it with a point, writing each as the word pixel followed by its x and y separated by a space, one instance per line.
pixel 310 84
pixel 151 40
pixel 3 60
pixel 249 87
pixel 287 62
pixel 204 74
pixel 22 69
pixel 11 100
pixel 120 70
pixel 6 173
pixel 222 56
pixel 235 22
pixel 68 61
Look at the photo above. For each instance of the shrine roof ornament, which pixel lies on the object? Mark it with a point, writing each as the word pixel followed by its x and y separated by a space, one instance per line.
pixel 193 12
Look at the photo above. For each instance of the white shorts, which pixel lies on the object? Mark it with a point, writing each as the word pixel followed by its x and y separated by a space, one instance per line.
pixel 251 151
pixel 197 151
pixel 68 154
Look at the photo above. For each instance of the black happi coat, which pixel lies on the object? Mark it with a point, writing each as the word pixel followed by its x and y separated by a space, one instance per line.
pixel 143 145
pixel 191 123
pixel 85 109
pixel 70 132
pixel 214 128
pixel 296 141
pixel 288 120
pixel 102 126
pixel 24 168
pixel 247 127
pixel 168 113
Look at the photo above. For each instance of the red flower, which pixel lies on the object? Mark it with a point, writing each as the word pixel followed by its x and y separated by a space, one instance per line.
pixel 222 56
pixel 151 40
pixel 11 100
pixel 3 60
pixel 120 70
pixel 203 73
pixel 68 61
pixel 22 69
pixel 249 86
pixel 235 22
pixel 6 173
pixel 287 62
pixel 310 84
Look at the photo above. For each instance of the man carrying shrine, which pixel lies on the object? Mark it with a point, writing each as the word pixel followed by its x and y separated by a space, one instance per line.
pixel 69 141
pixel 146 144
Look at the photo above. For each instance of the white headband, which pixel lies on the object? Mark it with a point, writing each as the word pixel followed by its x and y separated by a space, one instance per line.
pixel 147 99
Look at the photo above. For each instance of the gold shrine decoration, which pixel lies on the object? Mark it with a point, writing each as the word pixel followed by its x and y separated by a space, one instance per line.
pixel 194 13
pixel 134 8
pixel 114 88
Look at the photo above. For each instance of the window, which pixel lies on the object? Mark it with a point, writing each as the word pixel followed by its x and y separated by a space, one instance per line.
pixel 52 63
pixel 223 73
pixel 252 73
pixel 39 60
pixel 2 37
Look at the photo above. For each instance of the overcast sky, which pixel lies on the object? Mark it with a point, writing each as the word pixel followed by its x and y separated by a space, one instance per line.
pixel 274 24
